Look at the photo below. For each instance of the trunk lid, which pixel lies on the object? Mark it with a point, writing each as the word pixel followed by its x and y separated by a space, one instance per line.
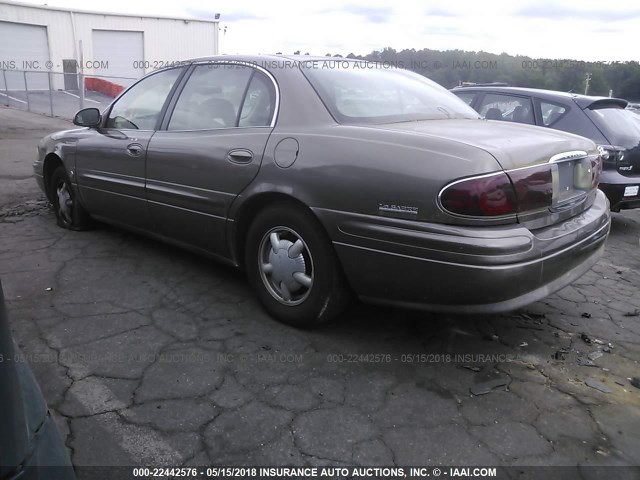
pixel 513 145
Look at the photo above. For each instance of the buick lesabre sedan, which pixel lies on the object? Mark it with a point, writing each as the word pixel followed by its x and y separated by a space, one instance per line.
pixel 324 178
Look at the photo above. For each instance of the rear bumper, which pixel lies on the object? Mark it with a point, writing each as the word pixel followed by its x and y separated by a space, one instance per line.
pixel 613 184
pixel 464 269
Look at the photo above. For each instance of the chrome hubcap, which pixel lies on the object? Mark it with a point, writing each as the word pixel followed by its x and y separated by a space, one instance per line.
pixel 286 266
pixel 65 203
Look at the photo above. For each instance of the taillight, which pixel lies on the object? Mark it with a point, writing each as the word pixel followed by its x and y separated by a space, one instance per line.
pixel 596 170
pixel 523 190
pixel 485 196
pixel 611 155
pixel 500 194
pixel 534 187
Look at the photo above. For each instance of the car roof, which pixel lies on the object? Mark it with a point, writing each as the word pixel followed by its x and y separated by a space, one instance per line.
pixel 272 62
pixel 272 57
pixel 584 101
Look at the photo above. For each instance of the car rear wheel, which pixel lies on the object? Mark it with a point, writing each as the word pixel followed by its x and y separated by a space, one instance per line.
pixel 292 267
pixel 69 213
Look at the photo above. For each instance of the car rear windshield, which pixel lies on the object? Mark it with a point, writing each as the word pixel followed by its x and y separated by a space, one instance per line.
pixel 620 126
pixel 369 93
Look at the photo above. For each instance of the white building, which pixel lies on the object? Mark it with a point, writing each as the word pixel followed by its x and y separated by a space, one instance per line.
pixel 123 47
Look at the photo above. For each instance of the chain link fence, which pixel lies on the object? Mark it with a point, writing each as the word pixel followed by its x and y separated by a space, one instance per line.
pixel 58 94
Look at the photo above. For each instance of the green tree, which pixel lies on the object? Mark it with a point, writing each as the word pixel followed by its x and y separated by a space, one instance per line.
pixel 451 67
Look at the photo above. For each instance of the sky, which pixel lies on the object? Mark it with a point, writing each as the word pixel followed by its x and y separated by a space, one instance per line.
pixel 574 29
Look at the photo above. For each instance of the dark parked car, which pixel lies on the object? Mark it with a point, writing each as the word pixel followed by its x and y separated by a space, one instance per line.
pixel 603 120
pixel 30 445
pixel 323 177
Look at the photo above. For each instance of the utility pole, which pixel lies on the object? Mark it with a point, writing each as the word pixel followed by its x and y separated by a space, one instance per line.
pixel 586 86
pixel 81 76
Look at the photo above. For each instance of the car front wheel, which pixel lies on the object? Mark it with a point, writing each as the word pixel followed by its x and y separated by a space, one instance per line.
pixel 292 267
pixel 69 213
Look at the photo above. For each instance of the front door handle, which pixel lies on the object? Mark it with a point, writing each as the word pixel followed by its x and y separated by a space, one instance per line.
pixel 240 155
pixel 134 149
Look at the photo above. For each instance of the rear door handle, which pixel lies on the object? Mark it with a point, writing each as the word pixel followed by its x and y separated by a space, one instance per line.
pixel 240 155
pixel 134 149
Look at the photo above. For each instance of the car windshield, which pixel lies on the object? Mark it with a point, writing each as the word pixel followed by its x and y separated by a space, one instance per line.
pixel 369 93
pixel 620 126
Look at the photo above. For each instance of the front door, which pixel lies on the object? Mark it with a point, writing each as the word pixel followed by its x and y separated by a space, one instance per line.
pixel 110 160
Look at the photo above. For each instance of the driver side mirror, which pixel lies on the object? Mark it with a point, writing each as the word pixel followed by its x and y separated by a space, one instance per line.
pixel 87 117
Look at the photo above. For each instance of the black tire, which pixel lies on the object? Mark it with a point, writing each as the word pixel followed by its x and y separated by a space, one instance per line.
pixel 307 307
pixel 70 215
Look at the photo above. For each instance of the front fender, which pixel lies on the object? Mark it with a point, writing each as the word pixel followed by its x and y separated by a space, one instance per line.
pixel 59 146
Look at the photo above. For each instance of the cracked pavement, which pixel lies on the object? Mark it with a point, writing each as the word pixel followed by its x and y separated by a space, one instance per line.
pixel 148 355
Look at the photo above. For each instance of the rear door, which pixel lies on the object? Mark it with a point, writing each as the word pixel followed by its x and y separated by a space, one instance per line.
pixel 209 149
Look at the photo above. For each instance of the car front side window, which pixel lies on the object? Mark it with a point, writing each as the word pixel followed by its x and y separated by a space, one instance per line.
pixel 140 107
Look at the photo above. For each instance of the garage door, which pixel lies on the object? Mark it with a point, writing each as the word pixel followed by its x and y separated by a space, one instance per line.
pixel 23 45
pixel 122 49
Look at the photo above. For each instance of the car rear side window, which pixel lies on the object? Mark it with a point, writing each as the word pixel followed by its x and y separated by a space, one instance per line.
pixel 259 102
pixel 211 98
pixel 508 108
pixel 140 106
pixel 551 113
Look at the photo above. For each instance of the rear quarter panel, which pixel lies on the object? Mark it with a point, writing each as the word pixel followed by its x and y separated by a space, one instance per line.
pixel 356 169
